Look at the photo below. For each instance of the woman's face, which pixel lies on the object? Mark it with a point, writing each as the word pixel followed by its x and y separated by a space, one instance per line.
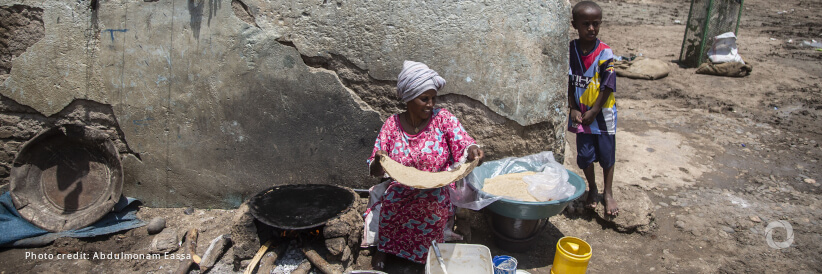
pixel 422 106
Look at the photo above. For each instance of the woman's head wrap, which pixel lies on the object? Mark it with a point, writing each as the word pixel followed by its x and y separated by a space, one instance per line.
pixel 415 79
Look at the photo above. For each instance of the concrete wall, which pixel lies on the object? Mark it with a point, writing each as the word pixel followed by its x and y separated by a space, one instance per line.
pixel 211 101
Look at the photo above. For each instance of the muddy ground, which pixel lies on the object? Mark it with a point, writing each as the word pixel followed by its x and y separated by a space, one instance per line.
pixel 704 163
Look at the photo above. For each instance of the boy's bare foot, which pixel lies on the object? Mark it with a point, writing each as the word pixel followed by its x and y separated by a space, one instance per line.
pixel 591 201
pixel 611 207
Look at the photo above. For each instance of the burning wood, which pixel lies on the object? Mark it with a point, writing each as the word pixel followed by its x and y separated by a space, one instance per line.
pixel 256 259
pixel 268 262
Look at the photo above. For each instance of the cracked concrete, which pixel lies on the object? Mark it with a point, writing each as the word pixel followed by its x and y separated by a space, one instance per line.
pixel 219 101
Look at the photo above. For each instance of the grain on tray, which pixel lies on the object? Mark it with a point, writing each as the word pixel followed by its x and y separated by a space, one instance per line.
pixel 510 185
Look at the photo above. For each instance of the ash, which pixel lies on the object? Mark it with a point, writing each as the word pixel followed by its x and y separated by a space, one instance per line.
pixel 291 258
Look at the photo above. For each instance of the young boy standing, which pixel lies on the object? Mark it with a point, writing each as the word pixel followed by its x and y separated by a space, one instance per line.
pixel 593 116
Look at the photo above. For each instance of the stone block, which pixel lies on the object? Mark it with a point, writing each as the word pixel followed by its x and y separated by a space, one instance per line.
pixel 244 234
pixel 335 245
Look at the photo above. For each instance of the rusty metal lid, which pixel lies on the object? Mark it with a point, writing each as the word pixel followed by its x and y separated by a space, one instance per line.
pixel 66 177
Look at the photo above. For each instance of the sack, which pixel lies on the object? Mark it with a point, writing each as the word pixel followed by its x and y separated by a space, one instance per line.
pixel 642 68
pixel 732 69
pixel 724 49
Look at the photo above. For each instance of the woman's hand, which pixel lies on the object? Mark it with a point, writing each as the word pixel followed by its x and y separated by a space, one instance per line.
pixel 475 152
pixel 376 167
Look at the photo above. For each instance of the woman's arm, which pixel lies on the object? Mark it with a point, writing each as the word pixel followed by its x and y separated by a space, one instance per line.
pixel 460 143
pixel 381 145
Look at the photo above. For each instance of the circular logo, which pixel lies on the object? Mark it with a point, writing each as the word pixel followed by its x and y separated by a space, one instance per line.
pixel 788 237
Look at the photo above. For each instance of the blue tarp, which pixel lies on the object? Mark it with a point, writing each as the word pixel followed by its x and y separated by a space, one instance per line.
pixel 17 232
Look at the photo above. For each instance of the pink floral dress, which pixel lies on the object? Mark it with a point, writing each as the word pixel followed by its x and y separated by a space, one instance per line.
pixel 411 218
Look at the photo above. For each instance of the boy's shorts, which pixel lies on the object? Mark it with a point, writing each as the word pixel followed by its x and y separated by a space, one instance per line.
pixel 595 148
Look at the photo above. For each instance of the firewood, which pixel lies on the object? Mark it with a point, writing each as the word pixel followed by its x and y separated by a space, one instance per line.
pixel 214 251
pixel 257 257
pixel 191 249
pixel 268 260
pixel 318 260
pixel 303 268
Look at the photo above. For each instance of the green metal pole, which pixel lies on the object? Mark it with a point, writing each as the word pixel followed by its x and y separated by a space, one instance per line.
pixel 705 31
pixel 685 38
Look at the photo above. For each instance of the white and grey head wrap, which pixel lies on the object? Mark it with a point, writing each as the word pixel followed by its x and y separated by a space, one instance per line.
pixel 415 79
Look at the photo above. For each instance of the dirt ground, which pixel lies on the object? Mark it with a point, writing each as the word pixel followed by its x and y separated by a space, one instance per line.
pixel 718 159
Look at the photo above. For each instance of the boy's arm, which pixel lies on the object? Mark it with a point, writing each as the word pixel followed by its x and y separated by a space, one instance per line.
pixel 591 114
pixel 575 112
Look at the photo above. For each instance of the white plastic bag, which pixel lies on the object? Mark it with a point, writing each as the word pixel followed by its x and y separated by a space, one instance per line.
pixel 534 162
pixel 467 197
pixel 371 225
pixel 724 49
pixel 551 183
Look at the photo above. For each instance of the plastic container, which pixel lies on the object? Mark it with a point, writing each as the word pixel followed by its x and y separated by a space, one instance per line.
pixel 505 265
pixel 460 258
pixel 572 256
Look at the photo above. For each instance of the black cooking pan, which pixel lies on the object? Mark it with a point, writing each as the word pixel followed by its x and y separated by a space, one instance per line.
pixel 294 207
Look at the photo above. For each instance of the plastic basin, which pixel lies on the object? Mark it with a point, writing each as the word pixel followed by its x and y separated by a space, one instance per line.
pixel 460 258
pixel 532 210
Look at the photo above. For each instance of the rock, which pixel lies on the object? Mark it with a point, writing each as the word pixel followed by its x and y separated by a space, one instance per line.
pixel 189 211
pixel 6 132
pixel 9 119
pixel 165 242
pixel 11 146
pixel 727 229
pixel 755 219
pixel 156 225
pixel 346 255
pixel 663 204
pixel 680 224
pixel 6 157
pixel 335 245
pixel 343 225
pixel 810 181
pixel 635 210
pixel 244 263
pixel 244 234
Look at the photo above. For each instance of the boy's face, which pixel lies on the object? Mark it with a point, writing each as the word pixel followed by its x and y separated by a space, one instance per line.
pixel 587 22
